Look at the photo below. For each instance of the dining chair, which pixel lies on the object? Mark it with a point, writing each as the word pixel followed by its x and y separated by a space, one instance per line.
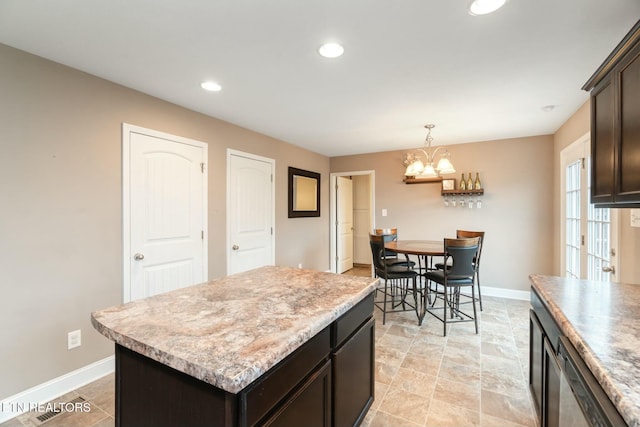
pixel 396 281
pixel 390 257
pixel 462 234
pixel 445 284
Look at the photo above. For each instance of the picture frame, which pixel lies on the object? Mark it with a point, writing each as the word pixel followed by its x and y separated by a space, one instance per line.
pixel 304 193
pixel 448 184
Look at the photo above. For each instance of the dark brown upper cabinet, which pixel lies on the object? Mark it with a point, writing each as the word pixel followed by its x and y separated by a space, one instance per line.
pixel 615 126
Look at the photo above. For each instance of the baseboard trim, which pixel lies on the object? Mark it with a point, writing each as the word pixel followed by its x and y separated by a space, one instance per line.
pixel 19 403
pixel 505 293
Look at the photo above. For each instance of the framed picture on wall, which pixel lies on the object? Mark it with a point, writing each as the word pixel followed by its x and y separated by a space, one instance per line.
pixel 449 184
pixel 304 193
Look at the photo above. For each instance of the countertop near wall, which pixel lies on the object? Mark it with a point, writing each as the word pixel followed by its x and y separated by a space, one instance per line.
pixel 602 321
pixel 230 331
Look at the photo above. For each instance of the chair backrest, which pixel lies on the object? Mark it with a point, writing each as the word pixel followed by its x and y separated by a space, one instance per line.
pixel 389 235
pixel 462 251
pixel 377 251
pixel 465 234
pixel 386 231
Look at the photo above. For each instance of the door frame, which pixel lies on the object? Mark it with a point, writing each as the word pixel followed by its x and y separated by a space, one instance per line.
pixel 128 129
pixel 333 211
pixel 232 152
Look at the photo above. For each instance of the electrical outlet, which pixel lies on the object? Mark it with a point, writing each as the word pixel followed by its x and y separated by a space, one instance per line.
pixel 300 265
pixel 74 339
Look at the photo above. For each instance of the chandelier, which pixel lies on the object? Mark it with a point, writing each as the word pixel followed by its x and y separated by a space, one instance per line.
pixel 416 168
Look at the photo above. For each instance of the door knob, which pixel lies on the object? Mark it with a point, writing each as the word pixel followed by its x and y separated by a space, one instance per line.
pixel 610 269
pixel 138 257
pixel 235 247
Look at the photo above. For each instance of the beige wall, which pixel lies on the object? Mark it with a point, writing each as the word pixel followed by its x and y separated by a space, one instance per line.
pixel 60 209
pixel 629 237
pixel 516 210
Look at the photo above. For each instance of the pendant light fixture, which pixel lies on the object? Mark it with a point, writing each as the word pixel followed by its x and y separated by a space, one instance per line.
pixel 417 169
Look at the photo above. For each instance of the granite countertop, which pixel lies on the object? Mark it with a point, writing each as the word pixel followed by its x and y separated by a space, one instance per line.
pixel 228 332
pixel 602 321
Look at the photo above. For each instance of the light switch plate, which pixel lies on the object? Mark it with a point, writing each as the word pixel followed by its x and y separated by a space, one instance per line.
pixel 635 217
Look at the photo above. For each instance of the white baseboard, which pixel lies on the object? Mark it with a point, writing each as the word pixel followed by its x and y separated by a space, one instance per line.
pixel 506 293
pixel 19 403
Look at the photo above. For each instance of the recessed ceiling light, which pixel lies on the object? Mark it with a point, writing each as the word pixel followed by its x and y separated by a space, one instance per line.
pixel 211 86
pixel 331 50
pixel 482 7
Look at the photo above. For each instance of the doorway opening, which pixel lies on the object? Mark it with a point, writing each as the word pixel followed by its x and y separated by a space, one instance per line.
pixel 352 219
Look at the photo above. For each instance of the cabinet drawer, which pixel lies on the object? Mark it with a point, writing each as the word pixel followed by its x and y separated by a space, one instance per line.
pixel 262 396
pixel 351 321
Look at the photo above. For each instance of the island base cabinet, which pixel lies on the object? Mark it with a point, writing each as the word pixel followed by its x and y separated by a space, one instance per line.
pixel 328 381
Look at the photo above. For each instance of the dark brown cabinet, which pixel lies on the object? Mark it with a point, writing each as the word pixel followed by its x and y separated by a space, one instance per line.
pixel 543 366
pixel 310 405
pixel 353 382
pixel 615 126
pixel 536 358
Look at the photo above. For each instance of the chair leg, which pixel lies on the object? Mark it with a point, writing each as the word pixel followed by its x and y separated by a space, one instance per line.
pixel 384 303
pixel 415 300
pixel 479 292
pixel 444 310
pixel 473 301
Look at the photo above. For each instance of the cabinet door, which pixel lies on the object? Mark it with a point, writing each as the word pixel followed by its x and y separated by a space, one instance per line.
pixel 628 156
pixel 310 406
pixel 551 393
pixel 602 143
pixel 536 350
pixel 353 377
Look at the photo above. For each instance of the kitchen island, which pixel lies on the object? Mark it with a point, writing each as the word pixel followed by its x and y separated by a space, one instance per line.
pixel 271 346
pixel 602 322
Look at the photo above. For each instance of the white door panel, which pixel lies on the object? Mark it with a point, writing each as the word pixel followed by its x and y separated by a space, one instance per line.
pixel 250 215
pixel 345 224
pixel 166 183
pixel 361 230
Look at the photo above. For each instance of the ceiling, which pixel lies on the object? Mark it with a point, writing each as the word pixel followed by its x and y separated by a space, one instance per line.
pixel 406 62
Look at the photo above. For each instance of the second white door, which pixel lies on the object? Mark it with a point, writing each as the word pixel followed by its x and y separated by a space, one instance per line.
pixel 344 224
pixel 250 212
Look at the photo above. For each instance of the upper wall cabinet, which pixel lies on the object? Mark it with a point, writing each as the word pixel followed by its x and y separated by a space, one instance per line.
pixel 615 126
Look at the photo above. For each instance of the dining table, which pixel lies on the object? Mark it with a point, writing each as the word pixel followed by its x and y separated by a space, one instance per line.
pixel 425 251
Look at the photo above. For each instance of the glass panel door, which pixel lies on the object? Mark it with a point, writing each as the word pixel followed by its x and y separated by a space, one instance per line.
pixel 573 231
pixel 589 234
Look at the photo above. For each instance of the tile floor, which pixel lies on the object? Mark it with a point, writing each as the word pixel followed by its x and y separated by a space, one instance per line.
pixel 422 378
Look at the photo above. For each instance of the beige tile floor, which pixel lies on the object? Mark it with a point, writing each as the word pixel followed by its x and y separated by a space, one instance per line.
pixel 422 378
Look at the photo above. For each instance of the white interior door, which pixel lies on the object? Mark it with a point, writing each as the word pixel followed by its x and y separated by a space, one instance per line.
pixel 361 219
pixel 165 212
pixel 344 224
pixel 589 239
pixel 250 212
